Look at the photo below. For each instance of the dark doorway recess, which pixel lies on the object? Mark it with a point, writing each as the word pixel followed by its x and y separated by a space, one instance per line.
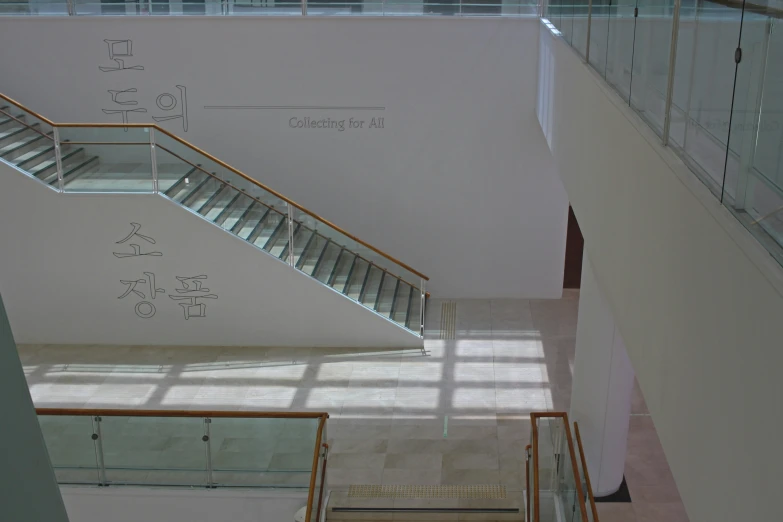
pixel 575 245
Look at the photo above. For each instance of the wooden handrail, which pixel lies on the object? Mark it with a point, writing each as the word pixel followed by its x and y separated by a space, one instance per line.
pixel 574 467
pixel 273 209
pixel 224 165
pixel 323 483
pixel 100 412
pixel 314 472
pixel 587 473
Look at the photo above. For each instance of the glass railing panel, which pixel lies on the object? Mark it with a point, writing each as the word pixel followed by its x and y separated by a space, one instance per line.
pixel 72 448
pixel 257 8
pixel 25 140
pixel 158 451
pixel 567 489
pixel 703 88
pixel 148 7
pixel 579 26
pixel 263 452
pixel 103 159
pixel 33 7
pixel 599 35
pixel 651 60
pixel 335 258
pixel 320 489
pixel 584 482
pixel 620 46
pixel 753 188
pixel 186 165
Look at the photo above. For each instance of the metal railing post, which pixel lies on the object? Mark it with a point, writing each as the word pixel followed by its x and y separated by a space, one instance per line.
pixel 71 8
pixel 421 308
pixel 589 27
pixel 58 157
pixel 98 438
pixel 208 449
pixel 304 7
pixel 667 117
pixel 154 162
pixel 290 234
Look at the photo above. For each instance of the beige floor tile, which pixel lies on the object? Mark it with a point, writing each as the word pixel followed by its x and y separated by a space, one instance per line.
pixel 390 409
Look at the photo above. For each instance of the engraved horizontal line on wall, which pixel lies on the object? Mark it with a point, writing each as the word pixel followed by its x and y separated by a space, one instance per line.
pixel 296 107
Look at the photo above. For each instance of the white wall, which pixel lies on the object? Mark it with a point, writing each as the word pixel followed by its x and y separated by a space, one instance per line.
pixel 458 183
pixel 166 505
pixel 61 281
pixel 697 301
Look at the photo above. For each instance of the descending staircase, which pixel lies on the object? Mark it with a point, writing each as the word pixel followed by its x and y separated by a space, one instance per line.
pixel 319 250
pixel 32 150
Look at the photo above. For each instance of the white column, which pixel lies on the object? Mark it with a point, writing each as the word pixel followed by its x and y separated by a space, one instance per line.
pixel 602 387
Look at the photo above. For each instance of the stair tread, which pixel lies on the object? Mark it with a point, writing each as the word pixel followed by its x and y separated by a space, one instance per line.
pixel 234 214
pixel 271 224
pixel 324 269
pixel 225 198
pixel 354 286
pixel 372 286
pixel 33 153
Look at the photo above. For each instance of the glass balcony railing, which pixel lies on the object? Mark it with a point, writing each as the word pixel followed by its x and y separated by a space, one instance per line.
pixel 142 158
pixel 269 8
pixel 707 77
pixel 188 449
pixel 557 481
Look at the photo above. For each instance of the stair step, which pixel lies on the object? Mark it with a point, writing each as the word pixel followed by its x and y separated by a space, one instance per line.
pixel 30 153
pixel 353 288
pixel 205 195
pixel 11 136
pixel 371 286
pixel 489 503
pixel 230 206
pixel 402 303
pixel 251 219
pixel 386 295
pixel 324 268
pixel 217 202
pixel 73 171
pixel 313 254
pixel 47 166
pixel 276 234
pixel 342 270
pixel 185 185
pixel 6 120
pixel 302 240
pixel 268 226
pixel 191 197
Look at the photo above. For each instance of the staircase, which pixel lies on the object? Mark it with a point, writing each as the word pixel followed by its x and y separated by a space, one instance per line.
pixel 218 193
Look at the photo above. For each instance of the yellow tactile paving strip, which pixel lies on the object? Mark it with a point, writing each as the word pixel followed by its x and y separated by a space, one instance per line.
pixel 488 491
pixel 448 320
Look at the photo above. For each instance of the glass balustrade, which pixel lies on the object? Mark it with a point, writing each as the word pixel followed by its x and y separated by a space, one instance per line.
pixel 277 8
pixel 141 158
pixel 707 78
pixel 554 478
pixel 185 449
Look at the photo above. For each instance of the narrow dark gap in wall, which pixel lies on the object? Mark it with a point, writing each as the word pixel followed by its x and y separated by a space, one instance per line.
pixel 575 244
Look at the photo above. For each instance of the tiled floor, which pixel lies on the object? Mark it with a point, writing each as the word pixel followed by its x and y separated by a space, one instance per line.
pixel 457 415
